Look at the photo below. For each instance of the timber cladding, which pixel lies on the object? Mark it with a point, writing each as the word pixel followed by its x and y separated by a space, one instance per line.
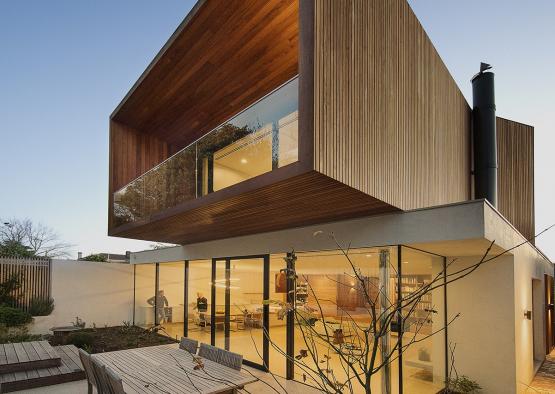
pixel 515 177
pixel 389 120
pixel 34 274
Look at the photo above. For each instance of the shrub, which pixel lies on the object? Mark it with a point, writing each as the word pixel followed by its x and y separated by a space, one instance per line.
pixel 41 306
pixel 94 257
pixel 81 339
pixel 16 334
pixel 463 385
pixel 12 317
pixel 8 289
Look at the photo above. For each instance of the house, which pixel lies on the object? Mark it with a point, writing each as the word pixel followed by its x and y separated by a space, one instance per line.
pixel 261 124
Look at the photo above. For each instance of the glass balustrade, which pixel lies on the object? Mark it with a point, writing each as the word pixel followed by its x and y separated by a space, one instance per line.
pixel 259 139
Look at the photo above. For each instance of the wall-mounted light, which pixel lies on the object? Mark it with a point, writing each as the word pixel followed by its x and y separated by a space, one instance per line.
pixel 528 315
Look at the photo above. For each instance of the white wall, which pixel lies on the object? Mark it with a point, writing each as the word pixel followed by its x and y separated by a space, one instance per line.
pixel 99 293
pixel 484 332
pixel 528 265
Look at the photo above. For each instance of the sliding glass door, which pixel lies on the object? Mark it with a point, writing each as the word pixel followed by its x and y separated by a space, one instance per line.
pixel 239 316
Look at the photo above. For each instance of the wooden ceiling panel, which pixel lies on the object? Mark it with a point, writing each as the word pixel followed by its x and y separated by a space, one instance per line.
pixel 222 59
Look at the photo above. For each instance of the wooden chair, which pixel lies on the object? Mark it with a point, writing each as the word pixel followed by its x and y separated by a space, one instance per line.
pixel 229 359
pixel 114 381
pixel 189 345
pixel 89 372
pixel 103 386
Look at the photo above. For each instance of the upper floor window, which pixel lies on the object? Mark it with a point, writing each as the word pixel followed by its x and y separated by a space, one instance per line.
pixel 259 139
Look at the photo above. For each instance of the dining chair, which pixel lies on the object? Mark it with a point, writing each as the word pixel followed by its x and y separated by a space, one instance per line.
pixel 189 345
pixel 114 381
pixel 89 372
pixel 103 386
pixel 221 356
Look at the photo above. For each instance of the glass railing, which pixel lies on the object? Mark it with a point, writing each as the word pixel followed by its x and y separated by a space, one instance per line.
pixel 259 139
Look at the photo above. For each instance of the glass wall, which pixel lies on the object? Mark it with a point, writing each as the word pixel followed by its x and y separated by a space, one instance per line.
pixel 335 298
pixel 423 315
pixel 199 300
pixel 333 327
pixel 239 323
pixel 145 279
pixel 258 140
pixel 170 305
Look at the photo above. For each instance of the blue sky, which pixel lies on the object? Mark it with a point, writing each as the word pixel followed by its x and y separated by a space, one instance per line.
pixel 66 64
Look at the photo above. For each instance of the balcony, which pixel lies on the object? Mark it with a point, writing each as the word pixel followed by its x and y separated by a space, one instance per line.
pixel 258 140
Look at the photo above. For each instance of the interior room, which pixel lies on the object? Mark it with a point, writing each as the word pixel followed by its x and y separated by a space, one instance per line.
pixel 330 300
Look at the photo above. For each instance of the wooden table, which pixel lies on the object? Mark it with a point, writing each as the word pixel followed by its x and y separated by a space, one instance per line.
pixel 168 369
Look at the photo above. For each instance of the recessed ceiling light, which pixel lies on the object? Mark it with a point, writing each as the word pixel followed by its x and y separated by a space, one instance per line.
pixel 243 161
pixel 405 262
pixel 368 255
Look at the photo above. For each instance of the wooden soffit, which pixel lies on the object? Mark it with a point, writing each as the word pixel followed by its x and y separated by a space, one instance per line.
pixel 223 57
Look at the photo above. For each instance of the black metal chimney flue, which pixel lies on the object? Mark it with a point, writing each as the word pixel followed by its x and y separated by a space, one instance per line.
pixel 484 135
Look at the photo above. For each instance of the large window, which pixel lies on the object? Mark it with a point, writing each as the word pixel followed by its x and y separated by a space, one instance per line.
pixel 145 282
pixel 223 302
pixel 424 359
pixel 260 139
pixel 199 304
pixel 170 303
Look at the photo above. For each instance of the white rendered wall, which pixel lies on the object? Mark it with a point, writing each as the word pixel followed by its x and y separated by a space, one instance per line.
pixel 100 293
pixel 484 332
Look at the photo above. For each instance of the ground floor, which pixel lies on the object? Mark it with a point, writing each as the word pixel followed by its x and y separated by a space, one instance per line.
pixel 224 302
pixel 493 324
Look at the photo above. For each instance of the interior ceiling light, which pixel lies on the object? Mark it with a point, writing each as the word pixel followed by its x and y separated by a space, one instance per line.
pixel 405 262
pixel 243 161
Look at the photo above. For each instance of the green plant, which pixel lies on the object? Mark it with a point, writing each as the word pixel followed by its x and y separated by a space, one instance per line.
pixel 94 257
pixel 41 306
pixel 13 248
pixel 81 339
pixel 462 384
pixel 79 323
pixel 16 334
pixel 9 287
pixel 14 317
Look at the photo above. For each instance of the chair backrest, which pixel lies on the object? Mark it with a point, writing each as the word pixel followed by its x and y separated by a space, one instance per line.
pixel 103 385
pixel 229 359
pixel 114 380
pixel 189 345
pixel 87 366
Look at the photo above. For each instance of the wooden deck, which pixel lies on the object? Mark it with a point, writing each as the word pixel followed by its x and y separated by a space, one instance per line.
pixel 16 357
pixel 166 368
pixel 68 370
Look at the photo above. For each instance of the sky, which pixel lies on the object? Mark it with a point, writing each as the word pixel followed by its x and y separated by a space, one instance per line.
pixel 66 64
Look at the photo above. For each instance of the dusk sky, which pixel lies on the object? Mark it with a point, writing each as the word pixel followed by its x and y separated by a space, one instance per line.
pixel 65 65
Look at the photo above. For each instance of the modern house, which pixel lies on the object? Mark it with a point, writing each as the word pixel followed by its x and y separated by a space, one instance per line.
pixel 263 126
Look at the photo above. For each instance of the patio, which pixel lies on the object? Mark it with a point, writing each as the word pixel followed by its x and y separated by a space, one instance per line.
pixel 264 379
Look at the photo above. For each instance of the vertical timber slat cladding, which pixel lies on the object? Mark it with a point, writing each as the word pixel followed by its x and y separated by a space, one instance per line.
pixel 389 119
pixel 35 278
pixel 515 177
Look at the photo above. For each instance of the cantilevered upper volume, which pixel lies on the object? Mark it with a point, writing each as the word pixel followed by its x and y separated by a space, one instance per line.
pixel 264 115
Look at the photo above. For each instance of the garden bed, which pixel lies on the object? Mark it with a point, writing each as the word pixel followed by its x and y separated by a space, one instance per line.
pixel 107 339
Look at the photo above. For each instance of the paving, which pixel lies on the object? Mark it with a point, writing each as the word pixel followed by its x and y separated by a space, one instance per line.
pixel 544 382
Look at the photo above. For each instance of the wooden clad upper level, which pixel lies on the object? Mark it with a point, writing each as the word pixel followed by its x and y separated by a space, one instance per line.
pixel 382 125
pixel 390 120
pixel 515 178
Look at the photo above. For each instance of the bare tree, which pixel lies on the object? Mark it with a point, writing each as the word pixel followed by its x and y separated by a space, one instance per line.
pixel 364 350
pixel 38 239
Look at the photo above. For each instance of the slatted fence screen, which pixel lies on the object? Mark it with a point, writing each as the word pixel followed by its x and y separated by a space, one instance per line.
pixel 36 278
